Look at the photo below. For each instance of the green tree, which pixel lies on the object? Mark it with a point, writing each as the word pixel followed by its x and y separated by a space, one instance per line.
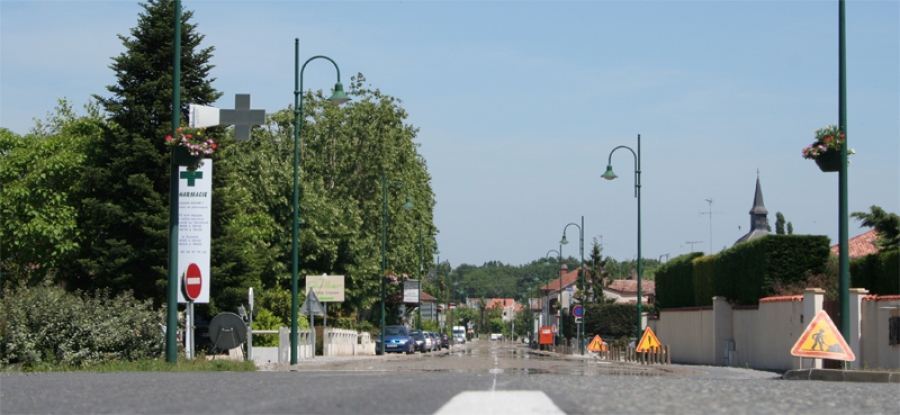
pixel 41 174
pixel 779 223
pixel 596 272
pixel 126 183
pixel 887 226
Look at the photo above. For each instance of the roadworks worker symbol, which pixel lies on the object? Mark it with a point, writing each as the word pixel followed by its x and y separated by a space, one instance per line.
pixel 648 342
pixel 597 345
pixel 822 340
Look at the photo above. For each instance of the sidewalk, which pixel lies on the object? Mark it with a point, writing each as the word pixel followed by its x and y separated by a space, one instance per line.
pixel 836 375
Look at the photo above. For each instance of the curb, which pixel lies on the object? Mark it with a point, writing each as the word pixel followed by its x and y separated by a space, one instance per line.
pixel 834 375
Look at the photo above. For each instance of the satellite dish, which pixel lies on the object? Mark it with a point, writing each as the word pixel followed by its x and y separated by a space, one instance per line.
pixel 227 331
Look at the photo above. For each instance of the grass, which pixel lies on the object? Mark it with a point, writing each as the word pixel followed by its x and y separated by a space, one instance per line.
pixel 146 365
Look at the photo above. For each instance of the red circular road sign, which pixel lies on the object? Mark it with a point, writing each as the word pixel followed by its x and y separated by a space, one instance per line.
pixel 193 282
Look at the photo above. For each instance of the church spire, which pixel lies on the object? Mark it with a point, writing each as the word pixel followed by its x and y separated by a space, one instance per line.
pixel 758 216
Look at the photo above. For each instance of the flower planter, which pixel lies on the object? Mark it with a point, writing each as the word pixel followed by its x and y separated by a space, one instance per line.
pixel 184 158
pixel 829 161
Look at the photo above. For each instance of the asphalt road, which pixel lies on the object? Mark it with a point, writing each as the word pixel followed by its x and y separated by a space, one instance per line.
pixel 485 377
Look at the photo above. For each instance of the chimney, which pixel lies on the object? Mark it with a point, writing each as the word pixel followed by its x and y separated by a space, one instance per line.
pixel 563 270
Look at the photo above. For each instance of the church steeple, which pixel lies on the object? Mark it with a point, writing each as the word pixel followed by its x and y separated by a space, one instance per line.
pixel 759 222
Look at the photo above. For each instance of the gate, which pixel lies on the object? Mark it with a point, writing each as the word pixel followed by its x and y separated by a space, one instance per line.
pixel 833 309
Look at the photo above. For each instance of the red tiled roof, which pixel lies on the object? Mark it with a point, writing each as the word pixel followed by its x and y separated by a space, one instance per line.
pixel 860 245
pixel 781 298
pixel 630 286
pixel 568 279
pixel 499 302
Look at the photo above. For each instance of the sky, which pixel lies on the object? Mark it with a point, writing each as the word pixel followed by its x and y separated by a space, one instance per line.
pixel 519 104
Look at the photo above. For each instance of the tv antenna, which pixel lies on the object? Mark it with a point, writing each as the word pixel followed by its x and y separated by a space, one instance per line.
pixel 692 244
pixel 710 213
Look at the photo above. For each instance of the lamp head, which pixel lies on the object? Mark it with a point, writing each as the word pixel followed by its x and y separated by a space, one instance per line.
pixel 339 97
pixel 435 251
pixel 408 205
pixel 564 241
pixel 609 175
pixel 546 262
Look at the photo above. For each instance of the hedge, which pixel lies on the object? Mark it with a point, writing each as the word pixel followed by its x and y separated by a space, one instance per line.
pixel 610 321
pixel 675 282
pixel 747 271
pixel 879 273
pixel 704 280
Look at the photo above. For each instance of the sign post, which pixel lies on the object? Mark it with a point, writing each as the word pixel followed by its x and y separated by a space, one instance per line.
pixel 194 235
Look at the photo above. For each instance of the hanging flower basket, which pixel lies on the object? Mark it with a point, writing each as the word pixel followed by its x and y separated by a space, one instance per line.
pixel 190 147
pixel 826 150
pixel 829 161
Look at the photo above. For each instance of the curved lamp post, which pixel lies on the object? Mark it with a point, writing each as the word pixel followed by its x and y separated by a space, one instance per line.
pixel 609 175
pixel 338 97
pixel 433 252
pixel 565 241
pixel 558 266
pixel 384 214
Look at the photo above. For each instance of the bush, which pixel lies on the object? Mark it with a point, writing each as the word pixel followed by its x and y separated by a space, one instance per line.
pixel 674 282
pixel 879 273
pixel 611 320
pixel 46 325
pixel 748 271
pixel 704 280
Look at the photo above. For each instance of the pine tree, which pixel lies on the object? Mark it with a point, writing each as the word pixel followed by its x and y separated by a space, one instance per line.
pixel 125 210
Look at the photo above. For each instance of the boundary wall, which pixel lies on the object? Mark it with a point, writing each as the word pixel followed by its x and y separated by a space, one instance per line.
pixel 762 336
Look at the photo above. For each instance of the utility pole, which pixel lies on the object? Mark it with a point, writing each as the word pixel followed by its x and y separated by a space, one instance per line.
pixel 710 213
pixel 692 244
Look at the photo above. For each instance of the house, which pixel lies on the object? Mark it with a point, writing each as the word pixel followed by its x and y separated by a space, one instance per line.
pixel 625 291
pixel 860 245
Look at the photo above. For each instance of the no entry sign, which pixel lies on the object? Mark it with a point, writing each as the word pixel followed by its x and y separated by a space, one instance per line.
pixel 193 282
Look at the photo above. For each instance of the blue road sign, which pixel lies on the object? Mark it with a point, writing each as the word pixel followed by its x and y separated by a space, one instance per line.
pixel 578 311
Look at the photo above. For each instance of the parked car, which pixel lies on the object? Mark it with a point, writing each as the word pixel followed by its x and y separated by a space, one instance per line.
pixel 419 338
pixel 429 341
pixel 445 341
pixel 398 339
pixel 437 341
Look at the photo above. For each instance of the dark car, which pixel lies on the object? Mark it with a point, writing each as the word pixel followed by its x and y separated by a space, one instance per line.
pixel 445 341
pixel 397 339
pixel 419 338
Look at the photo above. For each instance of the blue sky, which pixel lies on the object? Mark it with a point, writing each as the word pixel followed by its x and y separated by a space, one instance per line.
pixel 520 103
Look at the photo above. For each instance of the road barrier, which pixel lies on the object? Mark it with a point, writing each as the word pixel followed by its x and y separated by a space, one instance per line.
pixel 656 356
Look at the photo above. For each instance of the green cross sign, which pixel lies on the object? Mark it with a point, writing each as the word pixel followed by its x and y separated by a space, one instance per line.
pixel 191 176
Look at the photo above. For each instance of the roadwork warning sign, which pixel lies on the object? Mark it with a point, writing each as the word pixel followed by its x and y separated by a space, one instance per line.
pixel 822 340
pixel 648 342
pixel 596 345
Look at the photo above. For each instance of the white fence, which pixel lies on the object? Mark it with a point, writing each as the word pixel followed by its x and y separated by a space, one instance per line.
pixel 762 336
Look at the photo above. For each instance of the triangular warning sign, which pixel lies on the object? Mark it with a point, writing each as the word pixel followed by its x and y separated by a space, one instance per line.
pixel 648 342
pixel 596 344
pixel 312 305
pixel 822 340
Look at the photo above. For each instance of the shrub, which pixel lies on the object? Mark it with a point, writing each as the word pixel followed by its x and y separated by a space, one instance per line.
pixel 748 271
pixel 46 325
pixel 879 273
pixel 704 280
pixel 674 282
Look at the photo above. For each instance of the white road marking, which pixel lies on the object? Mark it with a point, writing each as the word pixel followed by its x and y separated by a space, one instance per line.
pixel 501 402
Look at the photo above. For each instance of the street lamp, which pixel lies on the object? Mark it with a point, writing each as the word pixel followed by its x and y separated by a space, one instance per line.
pixel 338 97
pixel 433 252
pixel 558 266
pixel 384 214
pixel 609 175
pixel 565 241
